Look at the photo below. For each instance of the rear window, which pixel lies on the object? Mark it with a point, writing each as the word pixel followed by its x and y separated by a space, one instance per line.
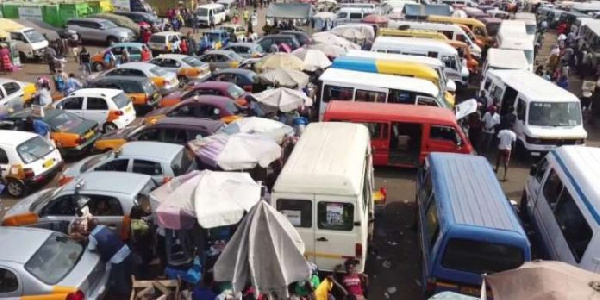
pixel 158 39
pixel 94 160
pixel 53 261
pixel 480 257
pixel 33 149
pixel 158 71
pixel 148 87
pixel 235 91
pixel 65 121
pixel 182 162
pixel 121 100
pixel 192 61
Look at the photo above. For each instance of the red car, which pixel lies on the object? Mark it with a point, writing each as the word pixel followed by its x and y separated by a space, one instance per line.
pixel 217 88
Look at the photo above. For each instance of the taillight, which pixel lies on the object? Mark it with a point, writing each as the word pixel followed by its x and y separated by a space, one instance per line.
pixel 76 296
pixel 119 113
pixel 28 173
pixel 64 180
pixel 166 179
pixel 81 140
pixel 358 250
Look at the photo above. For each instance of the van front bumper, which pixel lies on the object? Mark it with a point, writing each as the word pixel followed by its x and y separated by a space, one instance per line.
pixel 538 150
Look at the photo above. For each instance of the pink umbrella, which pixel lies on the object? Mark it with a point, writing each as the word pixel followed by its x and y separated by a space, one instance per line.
pixel 375 19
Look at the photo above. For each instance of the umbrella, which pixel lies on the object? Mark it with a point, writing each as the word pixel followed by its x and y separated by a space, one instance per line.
pixel 367 30
pixel 284 99
pixel 281 60
pixel 327 37
pixel 286 77
pixel 236 151
pixel 325 15
pixel 267 127
pixel 313 59
pixel 375 19
pixel 212 198
pixel 327 1
pixel 265 251
pixel 465 108
pixel 547 280
pixel 459 14
pixel 329 50
pixel 351 34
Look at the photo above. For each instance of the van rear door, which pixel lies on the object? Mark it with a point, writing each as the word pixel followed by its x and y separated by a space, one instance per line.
pixel 298 209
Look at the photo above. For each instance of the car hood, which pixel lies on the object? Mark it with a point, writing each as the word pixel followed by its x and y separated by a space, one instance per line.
pixel 556 131
pixel 87 275
pixel 158 112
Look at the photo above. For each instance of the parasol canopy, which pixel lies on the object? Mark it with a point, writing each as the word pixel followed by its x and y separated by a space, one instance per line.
pixel 375 19
pixel 313 59
pixel 237 151
pixel 281 61
pixel 332 39
pixel 286 77
pixel 328 49
pixel 265 251
pixel 211 198
pixel 283 99
pixel 267 127
pixel 351 34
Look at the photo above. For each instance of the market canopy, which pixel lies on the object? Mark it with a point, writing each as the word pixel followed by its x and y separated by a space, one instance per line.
pixel 294 10
pixel 413 10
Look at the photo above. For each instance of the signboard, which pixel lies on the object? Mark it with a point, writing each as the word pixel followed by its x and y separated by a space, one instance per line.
pixel 121 5
pixel 30 12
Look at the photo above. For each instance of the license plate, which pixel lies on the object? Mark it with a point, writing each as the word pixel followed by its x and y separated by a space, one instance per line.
pixel 49 163
pixel 470 290
pixel 128 109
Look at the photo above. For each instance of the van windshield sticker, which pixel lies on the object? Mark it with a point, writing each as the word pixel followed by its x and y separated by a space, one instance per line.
pixel 293 216
pixel 335 214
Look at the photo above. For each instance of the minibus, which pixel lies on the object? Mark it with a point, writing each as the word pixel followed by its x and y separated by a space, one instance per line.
pixel 339 84
pixel 561 202
pixel 466 225
pixel 351 14
pixel 547 115
pixel 590 36
pixel 504 59
pixel 510 27
pixel 403 136
pixel 530 22
pixel 326 192
pixel 424 47
pixel 391 67
pixel 416 33
pixel 515 41
pixel 204 13
pixel 448 76
pixel 475 25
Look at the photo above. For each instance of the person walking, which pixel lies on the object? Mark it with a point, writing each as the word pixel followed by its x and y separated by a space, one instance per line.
pixel 191 44
pixel 73 84
pixel 506 138
pixel 183 47
pixel 246 16
pixel 85 62
pixel 5 60
pixel 146 35
pixel 146 54
pixel 490 120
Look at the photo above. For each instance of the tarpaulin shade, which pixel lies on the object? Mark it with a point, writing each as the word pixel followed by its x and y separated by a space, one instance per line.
pixel 423 10
pixel 289 10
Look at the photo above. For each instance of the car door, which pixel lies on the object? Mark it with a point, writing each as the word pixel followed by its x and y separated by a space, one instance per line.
pixel 221 61
pixel 107 210
pixel 62 208
pixel 335 232
pixel 96 109
pixel 544 206
pixel 117 165
pixel 152 168
pixel 442 138
pixel 135 53
pixel 72 104
pixel 182 111
pixel 174 136
pixel 171 65
pixel 13 94
pixel 4 165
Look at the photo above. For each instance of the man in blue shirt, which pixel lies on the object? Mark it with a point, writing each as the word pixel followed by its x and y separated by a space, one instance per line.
pixel 73 84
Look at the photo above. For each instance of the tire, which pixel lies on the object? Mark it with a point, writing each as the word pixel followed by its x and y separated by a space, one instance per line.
pixel 15 188
pixel 22 56
pixel 111 40
pixel 98 67
pixel 109 127
pixel 183 80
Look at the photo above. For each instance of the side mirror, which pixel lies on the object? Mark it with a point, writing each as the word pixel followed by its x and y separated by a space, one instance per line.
pixel 451 86
pixel 533 170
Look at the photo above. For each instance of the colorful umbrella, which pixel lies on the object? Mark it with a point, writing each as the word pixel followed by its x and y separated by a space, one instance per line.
pixel 286 77
pixel 375 19
pixel 281 61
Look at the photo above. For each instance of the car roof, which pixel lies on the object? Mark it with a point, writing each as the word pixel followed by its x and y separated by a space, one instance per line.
pixel 137 65
pixel 155 150
pixel 172 56
pixel 190 123
pixel 243 44
pixel 3 80
pixel 223 52
pixel 121 78
pixel 31 239
pixel 245 72
pixel 126 44
pixel 214 84
pixel 216 31
pixel 289 35
pixel 165 33
pixel 110 182
pixel 90 19
pixel 96 91
pixel 12 137
pixel 386 111
pixel 208 99
pixel 49 112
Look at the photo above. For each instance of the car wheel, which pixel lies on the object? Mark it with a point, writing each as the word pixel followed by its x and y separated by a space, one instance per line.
pixel 111 40
pixel 22 56
pixel 98 67
pixel 110 127
pixel 183 80
pixel 15 188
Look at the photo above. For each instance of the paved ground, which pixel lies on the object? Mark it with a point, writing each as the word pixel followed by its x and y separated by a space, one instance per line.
pixel 396 264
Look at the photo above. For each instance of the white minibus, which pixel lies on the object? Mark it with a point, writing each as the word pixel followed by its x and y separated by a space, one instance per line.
pixel 510 27
pixel 562 202
pixel 326 191
pixel 530 22
pixel 424 47
pixel 204 13
pixel 350 14
pixel 505 59
pixel 547 115
pixel 514 41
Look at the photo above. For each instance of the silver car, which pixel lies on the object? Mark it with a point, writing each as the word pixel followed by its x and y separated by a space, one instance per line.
pixel 41 263
pixel 100 30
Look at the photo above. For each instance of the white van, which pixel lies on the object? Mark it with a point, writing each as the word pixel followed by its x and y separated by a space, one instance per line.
pixel 505 59
pixel 425 47
pixel 230 7
pixel 204 12
pixel 30 43
pixel 514 41
pixel 530 22
pixel 519 27
pixel 445 75
pixel 561 200
pixel 547 115
pixel 326 191
pixel 26 160
pixel 451 31
pixel 351 14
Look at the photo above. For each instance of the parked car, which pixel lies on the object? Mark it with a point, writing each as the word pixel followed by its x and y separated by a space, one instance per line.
pixel 213 40
pixel 120 21
pixel 27 160
pixel 134 50
pixel 301 36
pixel 166 81
pixel 187 68
pixel 268 40
pixel 71 133
pixel 238 30
pixel 243 78
pixel 142 91
pixel 15 94
pixel 246 50
pixel 141 17
pixel 211 107
pixel 162 161
pixel 111 108
pixel 108 195
pixel 45 264
pixel 219 59
pixel 99 30
pixel 218 88
pixel 166 130
pixel 164 42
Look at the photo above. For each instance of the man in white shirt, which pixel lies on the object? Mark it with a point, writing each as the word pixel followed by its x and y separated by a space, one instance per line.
pixel 490 120
pixel 506 138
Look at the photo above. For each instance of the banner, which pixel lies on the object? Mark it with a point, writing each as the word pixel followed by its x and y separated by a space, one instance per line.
pixel 30 12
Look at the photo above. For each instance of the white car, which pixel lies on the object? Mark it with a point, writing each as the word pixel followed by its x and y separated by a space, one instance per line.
pixel 14 94
pixel 166 81
pixel 111 108
pixel 186 67
pixel 164 42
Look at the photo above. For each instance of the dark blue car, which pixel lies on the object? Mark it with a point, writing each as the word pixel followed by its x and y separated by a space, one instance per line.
pixel 211 37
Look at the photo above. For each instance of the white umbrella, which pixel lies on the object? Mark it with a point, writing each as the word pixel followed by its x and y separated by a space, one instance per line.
pixel 267 127
pixel 286 77
pixel 325 15
pixel 284 99
pixel 213 198
pixel 327 1
pixel 313 59
pixel 329 50
pixel 332 39
pixel 351 34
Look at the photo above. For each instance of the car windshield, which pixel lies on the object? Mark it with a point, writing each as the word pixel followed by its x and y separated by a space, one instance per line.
pixel 235 91
pixel 192 61
pixel 158 71
pixel 182 162
pixel 65 121
pixel 158 39
pixel 121 100
pixel 34 148
pixel 95 160
pixel 33 36
pixel 554 113
pixel 108 24
pixel 234 56
pixel 202 12
pixel 53 261
pixel 42 198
